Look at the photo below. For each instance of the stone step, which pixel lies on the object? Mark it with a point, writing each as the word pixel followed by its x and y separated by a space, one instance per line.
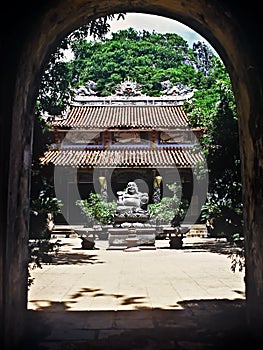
pixel 63 230
pixel 198 230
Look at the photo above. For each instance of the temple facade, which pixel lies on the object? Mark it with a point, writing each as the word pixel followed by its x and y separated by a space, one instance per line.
pixel 102 143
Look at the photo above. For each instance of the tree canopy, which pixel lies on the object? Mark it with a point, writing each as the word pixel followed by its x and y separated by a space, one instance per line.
pixel 148 58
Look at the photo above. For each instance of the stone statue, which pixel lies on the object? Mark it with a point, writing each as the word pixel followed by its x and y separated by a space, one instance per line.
pixel 131 205
pixel 131 197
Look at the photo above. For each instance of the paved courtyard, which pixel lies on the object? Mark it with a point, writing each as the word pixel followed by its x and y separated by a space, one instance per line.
pixel 93 296
pixel 102 279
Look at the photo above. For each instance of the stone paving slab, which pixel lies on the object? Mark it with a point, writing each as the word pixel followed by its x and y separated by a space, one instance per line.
pixel 99 297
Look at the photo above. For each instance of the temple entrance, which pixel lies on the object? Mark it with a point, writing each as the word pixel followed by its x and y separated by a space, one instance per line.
pixel 231 35
pixel 133 239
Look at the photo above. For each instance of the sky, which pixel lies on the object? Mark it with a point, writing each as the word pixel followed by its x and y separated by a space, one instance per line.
pixel 140 22
pixel 160 24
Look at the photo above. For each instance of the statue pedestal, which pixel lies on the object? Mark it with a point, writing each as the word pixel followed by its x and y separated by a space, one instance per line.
pixel 121 238
pixel 132 243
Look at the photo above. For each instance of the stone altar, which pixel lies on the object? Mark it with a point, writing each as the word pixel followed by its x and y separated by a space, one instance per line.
pixel 122 238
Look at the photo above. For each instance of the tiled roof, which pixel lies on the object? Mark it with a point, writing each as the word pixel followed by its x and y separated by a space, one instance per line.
pixel 105 117
pixel 158 157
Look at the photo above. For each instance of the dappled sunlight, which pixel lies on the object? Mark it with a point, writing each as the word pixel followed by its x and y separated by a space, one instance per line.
pixel 90 295
pixel 114 280
pixel 133 301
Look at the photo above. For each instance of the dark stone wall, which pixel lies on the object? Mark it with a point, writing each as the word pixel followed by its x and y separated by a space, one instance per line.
pixel 34 28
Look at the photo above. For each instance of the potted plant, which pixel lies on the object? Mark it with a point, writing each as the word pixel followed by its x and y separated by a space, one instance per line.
pixel 168 213
pixel 176 237
pixel 96 210
pixel 98 213
pixel 42 211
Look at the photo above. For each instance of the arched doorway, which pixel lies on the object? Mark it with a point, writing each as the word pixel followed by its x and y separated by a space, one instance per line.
pixel 36 31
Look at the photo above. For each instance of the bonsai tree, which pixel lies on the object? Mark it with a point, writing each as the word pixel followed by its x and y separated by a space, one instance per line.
pixel 170 210
pixel 96 210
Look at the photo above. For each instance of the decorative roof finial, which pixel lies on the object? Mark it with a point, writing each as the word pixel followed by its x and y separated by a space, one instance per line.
pixel 128 88
pixel 87 89
pixel 176 90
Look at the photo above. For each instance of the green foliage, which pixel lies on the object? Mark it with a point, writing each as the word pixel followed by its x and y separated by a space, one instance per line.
pixel 57 83
pixel 237 254
pixel 45 204
pixel 224 216
pixel 143 56
pixel 170 210
pixel 237 260
pixel 42 211
pixel 42 204
pixel 41 251
pixel 223 208
pixel 96 210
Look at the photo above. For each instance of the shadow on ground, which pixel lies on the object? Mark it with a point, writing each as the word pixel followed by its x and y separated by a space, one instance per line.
pixel 199 324
pixel 78 258
pixel 137 302
pixel 213 246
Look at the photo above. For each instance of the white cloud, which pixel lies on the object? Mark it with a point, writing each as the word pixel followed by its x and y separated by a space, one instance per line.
pixel 160 24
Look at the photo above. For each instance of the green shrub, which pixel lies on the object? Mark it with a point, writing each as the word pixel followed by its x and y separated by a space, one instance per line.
pixel 96 210
pixel 169 210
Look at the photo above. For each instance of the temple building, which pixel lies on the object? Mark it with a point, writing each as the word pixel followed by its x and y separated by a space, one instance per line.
pixel 102 143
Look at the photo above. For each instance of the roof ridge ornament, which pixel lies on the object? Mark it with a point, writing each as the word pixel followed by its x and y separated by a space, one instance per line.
pixel 128 92
pixel 177 89
pixel 85 90
pixel 128 87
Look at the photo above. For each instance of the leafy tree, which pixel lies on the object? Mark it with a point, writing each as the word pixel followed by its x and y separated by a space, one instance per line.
pixel 142 56
pixel 215 111
pixel 56 83
pixel 147 58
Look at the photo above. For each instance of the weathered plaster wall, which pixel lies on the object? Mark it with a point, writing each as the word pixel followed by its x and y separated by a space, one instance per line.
pixel 34 30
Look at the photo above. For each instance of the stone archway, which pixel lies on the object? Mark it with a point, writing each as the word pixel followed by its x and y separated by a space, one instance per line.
pixel 33 33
